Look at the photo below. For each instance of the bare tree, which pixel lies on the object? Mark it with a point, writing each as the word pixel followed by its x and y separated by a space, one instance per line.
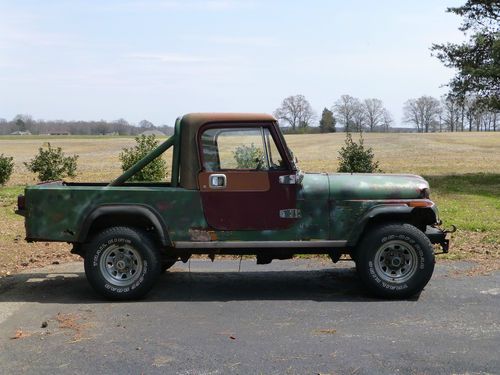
pixel 387 120
pixel 422 112
pixel 145 124
pixel 374 110
pixel 451 113
pixel 296 111
pixel 345 109
pixel 359 117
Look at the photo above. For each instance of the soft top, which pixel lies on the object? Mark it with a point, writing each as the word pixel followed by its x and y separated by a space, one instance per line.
pixel 190 124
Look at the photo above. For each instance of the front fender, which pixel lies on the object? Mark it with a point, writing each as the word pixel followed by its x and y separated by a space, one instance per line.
pixel 392 212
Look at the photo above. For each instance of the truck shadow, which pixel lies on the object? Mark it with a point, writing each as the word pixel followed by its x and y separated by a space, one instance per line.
pixel 329 285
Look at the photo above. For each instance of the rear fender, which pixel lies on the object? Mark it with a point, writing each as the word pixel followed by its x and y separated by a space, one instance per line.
pixel 124 211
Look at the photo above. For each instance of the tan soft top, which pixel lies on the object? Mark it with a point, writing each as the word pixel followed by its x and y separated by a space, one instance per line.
pixel 190 124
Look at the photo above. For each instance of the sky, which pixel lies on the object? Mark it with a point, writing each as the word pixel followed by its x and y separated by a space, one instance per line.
pixel 160 59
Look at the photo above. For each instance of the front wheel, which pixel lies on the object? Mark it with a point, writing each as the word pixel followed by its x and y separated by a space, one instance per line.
pixel 395 260
pixel 121 263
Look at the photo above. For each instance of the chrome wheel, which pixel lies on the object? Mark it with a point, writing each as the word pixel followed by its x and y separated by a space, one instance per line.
pixel 121 265
pixel 396 261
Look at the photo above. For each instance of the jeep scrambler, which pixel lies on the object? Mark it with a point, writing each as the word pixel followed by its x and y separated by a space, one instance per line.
pixel 236 189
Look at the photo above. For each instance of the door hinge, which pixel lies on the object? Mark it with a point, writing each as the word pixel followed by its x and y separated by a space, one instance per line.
pixel 291 213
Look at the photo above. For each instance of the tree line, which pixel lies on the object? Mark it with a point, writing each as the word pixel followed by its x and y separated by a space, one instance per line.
pixel 353 114
pixel 425 114
pixel 26 123
pixel 451 113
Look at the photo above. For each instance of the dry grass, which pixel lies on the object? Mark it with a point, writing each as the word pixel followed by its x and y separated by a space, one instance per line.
pixel 98 156
pixel 426 154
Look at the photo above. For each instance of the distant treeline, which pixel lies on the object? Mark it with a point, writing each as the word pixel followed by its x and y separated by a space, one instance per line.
pixel 425 114
pixel 25 123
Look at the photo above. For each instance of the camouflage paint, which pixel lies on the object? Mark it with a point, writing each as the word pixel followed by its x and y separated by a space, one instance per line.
pixel 330 205
pixel 57 212
pixel 346 186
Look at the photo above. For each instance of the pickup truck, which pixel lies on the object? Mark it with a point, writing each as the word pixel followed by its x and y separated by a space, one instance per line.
pixel 235 188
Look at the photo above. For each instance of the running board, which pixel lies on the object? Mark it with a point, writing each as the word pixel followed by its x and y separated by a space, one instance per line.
pixel 258 244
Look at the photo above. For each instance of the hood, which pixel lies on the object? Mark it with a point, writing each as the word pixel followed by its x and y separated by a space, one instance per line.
pixel 346 186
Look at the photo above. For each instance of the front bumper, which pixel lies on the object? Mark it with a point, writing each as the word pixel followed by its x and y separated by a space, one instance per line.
pixel 439 236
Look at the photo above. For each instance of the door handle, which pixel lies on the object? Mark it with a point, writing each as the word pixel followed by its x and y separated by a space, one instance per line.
pixel 217 181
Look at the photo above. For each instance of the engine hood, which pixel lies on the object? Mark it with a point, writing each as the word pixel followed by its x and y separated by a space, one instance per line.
pixel 345 186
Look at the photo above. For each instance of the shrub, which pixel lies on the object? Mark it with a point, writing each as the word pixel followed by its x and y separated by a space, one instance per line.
pixel 51 164
pixel 355 158
pixel 6 167
pixel 154 171
pixel 249 157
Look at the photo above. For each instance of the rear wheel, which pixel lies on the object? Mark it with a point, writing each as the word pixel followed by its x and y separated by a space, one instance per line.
pixel 122 263
pixel 395 260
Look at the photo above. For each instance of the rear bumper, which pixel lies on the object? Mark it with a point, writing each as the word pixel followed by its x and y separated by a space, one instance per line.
pixel 439 236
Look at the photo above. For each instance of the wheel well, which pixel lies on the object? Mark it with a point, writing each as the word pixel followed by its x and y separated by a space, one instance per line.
pixel 418 217
pixel 386 219
pixel 129 220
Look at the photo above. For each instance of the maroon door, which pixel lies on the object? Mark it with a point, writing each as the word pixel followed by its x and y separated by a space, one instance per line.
pixel 240 182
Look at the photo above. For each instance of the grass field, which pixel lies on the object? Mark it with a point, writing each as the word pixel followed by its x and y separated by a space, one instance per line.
pixel 462 168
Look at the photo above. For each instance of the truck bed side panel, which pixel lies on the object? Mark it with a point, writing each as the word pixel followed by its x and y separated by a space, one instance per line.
pixel 56 213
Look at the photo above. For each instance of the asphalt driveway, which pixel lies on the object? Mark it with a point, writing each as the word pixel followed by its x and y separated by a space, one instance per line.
pixel 289 317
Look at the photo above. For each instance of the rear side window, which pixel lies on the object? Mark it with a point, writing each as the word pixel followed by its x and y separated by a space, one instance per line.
pixel 240 149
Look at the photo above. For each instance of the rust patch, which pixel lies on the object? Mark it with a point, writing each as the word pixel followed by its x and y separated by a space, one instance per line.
pixel 200 235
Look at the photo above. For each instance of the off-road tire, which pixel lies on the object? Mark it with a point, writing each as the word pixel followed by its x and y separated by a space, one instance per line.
pixel 122 263
pixel 395 261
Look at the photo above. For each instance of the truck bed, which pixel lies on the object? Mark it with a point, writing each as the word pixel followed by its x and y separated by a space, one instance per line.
pixel 56 211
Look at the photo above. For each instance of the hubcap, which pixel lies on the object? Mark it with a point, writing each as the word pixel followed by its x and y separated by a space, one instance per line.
pixel 121 264
pixel 396 261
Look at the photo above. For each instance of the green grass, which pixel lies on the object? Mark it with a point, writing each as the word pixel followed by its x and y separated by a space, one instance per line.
pixel 470 201
pixel 8 201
